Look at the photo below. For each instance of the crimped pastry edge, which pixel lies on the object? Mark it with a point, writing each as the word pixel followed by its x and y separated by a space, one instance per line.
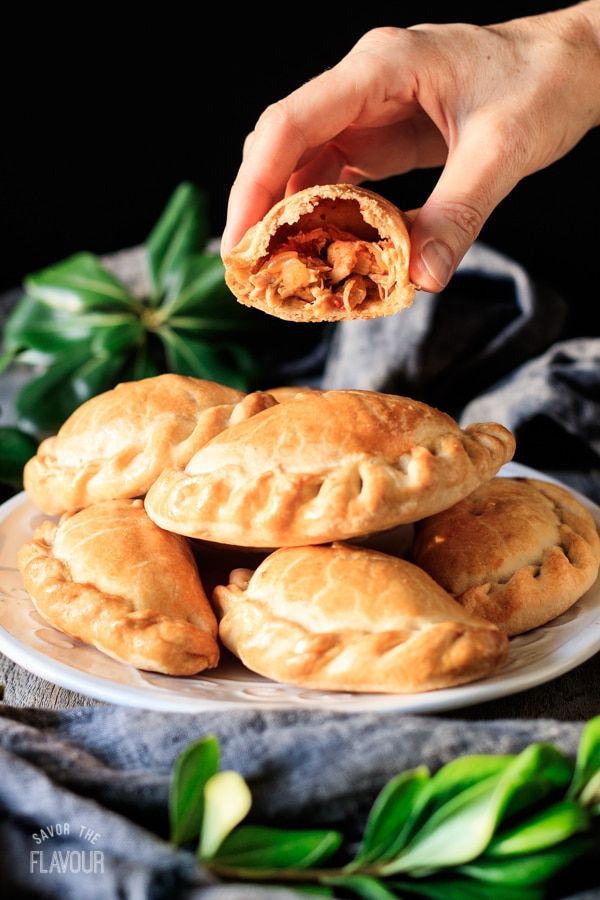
pixel 536 594
pixel 445 654
pixel 48 581
pixel 369 494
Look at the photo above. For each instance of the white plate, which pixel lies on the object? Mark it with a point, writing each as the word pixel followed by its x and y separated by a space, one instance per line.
pixel 535 657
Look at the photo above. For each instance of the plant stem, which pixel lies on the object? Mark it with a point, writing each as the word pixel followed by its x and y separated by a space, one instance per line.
pixel 252 874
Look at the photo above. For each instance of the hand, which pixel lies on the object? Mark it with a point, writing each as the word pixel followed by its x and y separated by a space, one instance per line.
pixel 490 104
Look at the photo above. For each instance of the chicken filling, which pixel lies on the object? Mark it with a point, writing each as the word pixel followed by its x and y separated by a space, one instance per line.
pixel 326 266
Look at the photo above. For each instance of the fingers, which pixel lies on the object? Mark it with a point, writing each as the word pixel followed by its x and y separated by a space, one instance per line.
pixel 368 154
pixel 309 117
pixel 356 90
pixel 480 171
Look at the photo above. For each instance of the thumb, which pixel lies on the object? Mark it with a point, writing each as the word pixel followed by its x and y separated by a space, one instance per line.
pixel 478 174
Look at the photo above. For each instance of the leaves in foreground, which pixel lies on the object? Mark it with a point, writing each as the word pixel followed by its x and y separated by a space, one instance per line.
pixel 482 826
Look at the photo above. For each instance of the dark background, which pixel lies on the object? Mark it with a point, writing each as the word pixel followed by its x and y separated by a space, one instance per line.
pixel 116 116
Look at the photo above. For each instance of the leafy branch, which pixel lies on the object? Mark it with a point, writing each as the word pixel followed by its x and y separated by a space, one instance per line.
pixel 482 826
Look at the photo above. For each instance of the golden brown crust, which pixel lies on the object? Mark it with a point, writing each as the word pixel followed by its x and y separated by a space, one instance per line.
pixel 327 466
pixel 517 551
pixel 354 210
pixel 346 618
pixel 116 444
pixel 108 576
pixel 290 392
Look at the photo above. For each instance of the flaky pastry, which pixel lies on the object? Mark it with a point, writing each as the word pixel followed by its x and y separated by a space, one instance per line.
pixel 289 392
pixel 330 252
pixel 345 618
pixel 327 466
pixel 517 551
pixel 116 444
pixel 108 576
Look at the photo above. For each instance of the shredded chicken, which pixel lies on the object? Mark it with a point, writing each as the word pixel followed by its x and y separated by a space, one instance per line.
pixel 325 265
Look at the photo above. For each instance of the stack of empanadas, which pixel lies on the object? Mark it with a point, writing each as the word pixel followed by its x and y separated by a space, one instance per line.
pixel 491 557
pixel 299 471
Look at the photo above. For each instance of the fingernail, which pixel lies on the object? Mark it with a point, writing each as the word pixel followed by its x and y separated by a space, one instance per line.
pixel 438 260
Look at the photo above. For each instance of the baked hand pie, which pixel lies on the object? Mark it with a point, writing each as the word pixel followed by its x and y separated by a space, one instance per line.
pixel 116 444
pixel 517 551
pixel 330 252
pixel 108 576
pixel 326 466
pixel 349 619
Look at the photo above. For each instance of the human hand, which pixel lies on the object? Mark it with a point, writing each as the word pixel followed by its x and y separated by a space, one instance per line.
pixel 491 104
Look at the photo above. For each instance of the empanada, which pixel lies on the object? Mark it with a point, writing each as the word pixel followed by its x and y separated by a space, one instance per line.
pixel 116 444
pixel 330 252
pixel 327 466
pixel 345 618
pixel 110 577
pixel 516 551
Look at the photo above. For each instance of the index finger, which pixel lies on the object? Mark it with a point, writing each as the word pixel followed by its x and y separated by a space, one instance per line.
pixel 357 88
pixel 283 134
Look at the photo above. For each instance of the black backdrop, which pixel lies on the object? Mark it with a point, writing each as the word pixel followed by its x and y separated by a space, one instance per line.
pixel 115 115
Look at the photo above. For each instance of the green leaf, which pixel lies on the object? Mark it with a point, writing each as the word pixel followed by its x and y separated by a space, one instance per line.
pixel 15 320
pixel 390 812
pixel 142 364
pixel 95 376
pixel 227 800
pixel 364 886
pixel 275 848
pixel 46 401
pixel 193 768
pixel 587 765
pixel 590 795
pixel 448 782
pixel 6 359
pixel 181 231
pixel 16 448
pixel 78 284
pixel 462 828
pixel 187 356
pixel 200 289
pixel 118 337
pixel 463 889
pixel 35 325
pixel 545 829
pixel 530 869
pixel 313 890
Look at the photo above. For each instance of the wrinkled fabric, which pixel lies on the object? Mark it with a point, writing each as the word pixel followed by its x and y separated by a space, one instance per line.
pixel 107 768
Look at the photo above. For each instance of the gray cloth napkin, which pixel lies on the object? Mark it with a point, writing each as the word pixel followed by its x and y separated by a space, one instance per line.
pixel 485 347
pixel 107 769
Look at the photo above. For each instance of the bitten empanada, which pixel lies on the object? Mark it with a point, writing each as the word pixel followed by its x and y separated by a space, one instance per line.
pixel 330 252
pixel 110 577
pixel 327 466
pixel 517 551
pixel 345 618
pixel 116 444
